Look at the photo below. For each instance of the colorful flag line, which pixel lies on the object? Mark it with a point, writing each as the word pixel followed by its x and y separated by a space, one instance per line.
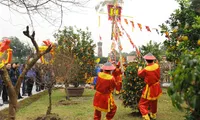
pixel 134 24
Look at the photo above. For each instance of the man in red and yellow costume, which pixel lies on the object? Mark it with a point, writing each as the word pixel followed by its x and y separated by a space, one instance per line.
pixel 152 90
pixel 103 100
pixel 117 73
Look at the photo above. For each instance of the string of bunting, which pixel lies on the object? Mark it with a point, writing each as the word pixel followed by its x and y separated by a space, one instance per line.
pixel 134 24
pixel 121 34
pixel 140 26
pixel 130 40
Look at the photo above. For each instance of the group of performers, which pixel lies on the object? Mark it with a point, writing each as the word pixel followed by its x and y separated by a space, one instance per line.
pixel 110 79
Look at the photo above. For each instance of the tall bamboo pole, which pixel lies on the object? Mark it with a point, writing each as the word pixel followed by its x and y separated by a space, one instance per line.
pixel 115 26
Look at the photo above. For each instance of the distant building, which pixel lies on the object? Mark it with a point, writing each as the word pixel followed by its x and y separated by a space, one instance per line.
pixel 99 44
pixel 130 59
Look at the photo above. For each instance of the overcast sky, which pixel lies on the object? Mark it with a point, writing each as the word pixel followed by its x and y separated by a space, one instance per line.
pixel 146 12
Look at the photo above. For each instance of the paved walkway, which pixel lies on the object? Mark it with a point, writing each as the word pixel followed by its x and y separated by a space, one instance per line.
pixel 24 97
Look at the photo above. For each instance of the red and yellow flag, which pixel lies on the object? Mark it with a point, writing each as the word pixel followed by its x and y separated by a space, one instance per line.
pixel 140 26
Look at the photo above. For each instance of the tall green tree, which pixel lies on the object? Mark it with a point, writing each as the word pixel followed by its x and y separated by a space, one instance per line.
pixel 20 50
pixel 80 45
pixel 183 49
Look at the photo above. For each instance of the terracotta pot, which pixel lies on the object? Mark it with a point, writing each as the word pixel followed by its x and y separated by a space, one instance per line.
pixel 75 91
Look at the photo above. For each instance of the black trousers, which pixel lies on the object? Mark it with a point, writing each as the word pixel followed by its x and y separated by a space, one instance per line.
pixel 5 94
pixel 30 83
pixel 1 88
pixel 24 87
pixel 38 86
pixel 42 86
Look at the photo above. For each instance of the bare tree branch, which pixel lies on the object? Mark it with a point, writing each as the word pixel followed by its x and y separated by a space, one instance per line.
pixel 32 37
pixel 43 7
pixel 28 12
pixel 61 20
pixel 47 50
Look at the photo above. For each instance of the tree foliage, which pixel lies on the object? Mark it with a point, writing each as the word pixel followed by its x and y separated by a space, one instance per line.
pixel 196 5
pixel 132 86
pixel 186 83
pixel 182 30
pixel 21 51
pixel 80 45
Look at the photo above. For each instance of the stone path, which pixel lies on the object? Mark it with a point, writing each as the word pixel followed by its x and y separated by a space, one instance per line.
pixel 24 97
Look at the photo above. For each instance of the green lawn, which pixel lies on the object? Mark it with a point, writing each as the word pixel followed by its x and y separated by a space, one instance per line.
pixel 80 108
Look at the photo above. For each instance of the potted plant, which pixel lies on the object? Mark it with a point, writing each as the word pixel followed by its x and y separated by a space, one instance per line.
pixel 74 79
pixel 80 60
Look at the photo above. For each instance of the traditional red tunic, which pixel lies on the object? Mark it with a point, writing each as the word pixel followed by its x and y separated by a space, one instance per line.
pixel 151 92
pixel 118 78
pixel 103 100
pixel 151 75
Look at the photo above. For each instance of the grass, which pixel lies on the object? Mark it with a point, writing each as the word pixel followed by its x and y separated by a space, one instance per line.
pixel 22 104
pixel 80 108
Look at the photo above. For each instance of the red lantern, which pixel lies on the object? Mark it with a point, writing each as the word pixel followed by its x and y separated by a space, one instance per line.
pixel 112 13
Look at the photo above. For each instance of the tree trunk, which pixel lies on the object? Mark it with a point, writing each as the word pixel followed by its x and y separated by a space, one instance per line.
pixel 67 95
pixel 50 103
pixel 11 93
pixel 196 112
pixel 27 67
pixel 14 91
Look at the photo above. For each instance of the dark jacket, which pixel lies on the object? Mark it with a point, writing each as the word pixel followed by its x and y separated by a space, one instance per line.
pixel 14 74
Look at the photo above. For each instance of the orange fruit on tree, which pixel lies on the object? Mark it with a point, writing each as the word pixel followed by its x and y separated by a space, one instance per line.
pixel 175 30
pixel 184 38
pixel 198 42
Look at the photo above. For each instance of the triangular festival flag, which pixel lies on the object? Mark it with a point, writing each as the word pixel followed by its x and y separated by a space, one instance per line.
pixel 140 26
pixel 100 37
pixel 148 29
pixel 132 23
pixel 126 21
